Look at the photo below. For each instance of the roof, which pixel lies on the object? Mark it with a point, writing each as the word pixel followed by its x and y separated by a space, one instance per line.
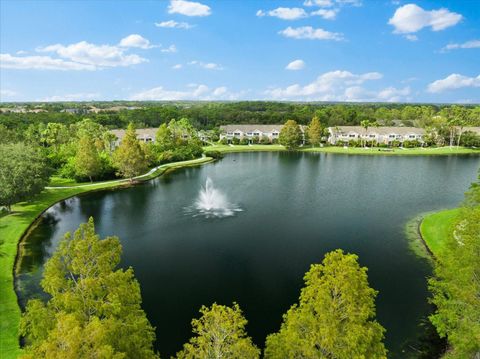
pixel 251 128
pixel 141 132
pixel 382 130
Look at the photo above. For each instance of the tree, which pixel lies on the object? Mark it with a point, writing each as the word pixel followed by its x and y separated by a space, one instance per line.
pixel 335 316
pixel 456 284
pixel 290 135
pixel 94 309
pixel 129 157
pixel 87 160
pixel 314 132
pixel 23 173
pixel 365 124
pixel 220 333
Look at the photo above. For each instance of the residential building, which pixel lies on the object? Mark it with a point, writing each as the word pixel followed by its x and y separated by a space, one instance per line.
pixel 385 135
pixel 249 132
pixel 143 134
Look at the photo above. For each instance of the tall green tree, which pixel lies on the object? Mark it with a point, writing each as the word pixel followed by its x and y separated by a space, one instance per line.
pixel 456 284
pixel 220 334
pixel 87 160
pixel 129 156
pixel 23 173
pixel 94 309
pixel 335 317
pixel 290 135
pixel 314 132
pixel 365 124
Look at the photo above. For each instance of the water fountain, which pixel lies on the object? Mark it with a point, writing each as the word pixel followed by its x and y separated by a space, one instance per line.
pixel 212 203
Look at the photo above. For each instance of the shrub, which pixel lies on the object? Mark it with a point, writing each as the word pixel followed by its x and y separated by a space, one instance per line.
pixel 214 154
pixel 244 141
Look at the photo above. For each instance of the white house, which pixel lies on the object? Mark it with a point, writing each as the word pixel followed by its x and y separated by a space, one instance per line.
pixel 143 134
pixel 249 132
pixel 383 135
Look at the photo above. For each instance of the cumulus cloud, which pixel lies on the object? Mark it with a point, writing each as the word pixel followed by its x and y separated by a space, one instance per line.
pixel 411 18
pixel 472 44
pixel 327 14
pixel 85 53
pixel 331 86
pixel 188 8
pixel 172 24
pixel 296 65
pixel 193 92
pixel 7 93
pixel 329 3
pixel 8 61
pixel 285 13
pixel 135 40
pixel 452 82
pixel 206 65
pixel 177 66
pixel 170 49
pixel 71 97
pixel 308 32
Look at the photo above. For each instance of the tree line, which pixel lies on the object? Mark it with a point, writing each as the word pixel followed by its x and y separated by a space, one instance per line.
pixel 208 115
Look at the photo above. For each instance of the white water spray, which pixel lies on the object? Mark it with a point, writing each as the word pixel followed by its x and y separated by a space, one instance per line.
pixel 212 203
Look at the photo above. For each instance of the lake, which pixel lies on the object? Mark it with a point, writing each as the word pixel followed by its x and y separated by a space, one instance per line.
pixel 295 207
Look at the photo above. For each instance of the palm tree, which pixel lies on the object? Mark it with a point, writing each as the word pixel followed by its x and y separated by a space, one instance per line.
pixel 365 124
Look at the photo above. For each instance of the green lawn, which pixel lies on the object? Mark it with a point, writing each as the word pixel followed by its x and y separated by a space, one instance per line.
pixel 12 228
pixel 350 150
pixel 436 227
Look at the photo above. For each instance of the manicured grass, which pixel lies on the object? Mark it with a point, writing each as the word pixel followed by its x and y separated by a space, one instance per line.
pixel 396 151
pixel 13 227
pixel 437 227
pixel 350 150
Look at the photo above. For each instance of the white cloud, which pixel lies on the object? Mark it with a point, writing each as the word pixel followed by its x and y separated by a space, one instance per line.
pixel 188 8
pixel 177 66
pixel 8 61
pixel 7 93
pixel 206 65
pixel 411 18
pixel 285 13
pixel 392 94
pixel 411 37
pixel 71 97
pixel 193 92
pixel 172 24
pixel 452 82
pixel 170 49
pixel 135 40
pixel 83 53
pixel 330 86
pixel 329 14
pixel 321 3
pixel 308 32
pixel 21 52
pixel 472 44
pixel 296 65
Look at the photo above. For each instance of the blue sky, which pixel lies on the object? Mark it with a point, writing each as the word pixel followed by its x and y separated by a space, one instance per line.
pixel 306 50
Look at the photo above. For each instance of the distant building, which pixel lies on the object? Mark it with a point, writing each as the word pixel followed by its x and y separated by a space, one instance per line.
pixel 249 132
pixel 385 135
pixel 143 134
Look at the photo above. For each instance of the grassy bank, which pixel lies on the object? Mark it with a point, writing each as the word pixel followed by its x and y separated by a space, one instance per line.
pixel 13 227
pixel 436 227
pixel 351 150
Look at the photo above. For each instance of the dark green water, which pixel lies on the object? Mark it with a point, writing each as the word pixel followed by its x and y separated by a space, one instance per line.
pixel 296 207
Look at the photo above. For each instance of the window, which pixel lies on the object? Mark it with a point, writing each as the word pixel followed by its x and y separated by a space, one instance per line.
pixel 372 135
pixel 237 133
pixel 391 136
pixel 411 136
pixel 352 135
pixel 257 133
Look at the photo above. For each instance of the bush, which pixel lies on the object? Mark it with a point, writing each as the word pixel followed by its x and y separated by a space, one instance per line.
pixel 244 141
pixel 223 141
pixel 470 139
pixel 411 144
pixel 214 154
pixel 235 141
pixel 265 140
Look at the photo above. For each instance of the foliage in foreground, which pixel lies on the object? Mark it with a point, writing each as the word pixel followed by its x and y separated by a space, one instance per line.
pixel 220 333
pixel 23 173
pixel 335 316
pixel 456 285
pixel 94 310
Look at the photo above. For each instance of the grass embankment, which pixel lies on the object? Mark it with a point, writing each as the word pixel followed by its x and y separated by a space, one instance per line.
pixel 436 228
pixel 15 225
pixel 350 150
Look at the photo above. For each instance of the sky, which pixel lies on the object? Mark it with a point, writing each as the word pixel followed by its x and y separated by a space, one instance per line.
pixel 302 50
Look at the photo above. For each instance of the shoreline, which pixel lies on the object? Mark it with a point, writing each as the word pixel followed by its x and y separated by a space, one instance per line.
pixel 15 226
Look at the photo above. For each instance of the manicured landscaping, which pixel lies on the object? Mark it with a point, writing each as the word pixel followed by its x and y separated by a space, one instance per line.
pixel 15 225
pixel 350 150
pixel 436 227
